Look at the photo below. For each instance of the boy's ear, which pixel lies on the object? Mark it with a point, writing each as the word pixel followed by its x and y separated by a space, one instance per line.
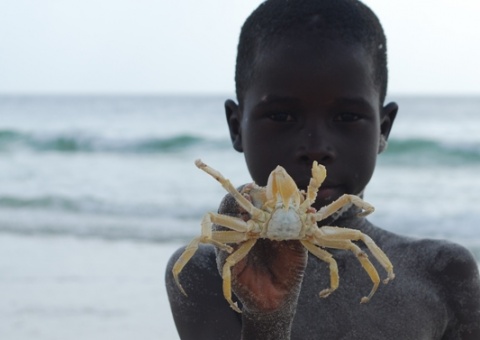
pixel 232 112
pixel 388 114
pixel 387 117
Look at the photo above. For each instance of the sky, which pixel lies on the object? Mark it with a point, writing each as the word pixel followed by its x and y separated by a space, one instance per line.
pixel 189 46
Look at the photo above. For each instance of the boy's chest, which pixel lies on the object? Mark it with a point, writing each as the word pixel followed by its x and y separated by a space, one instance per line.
pixel 406 308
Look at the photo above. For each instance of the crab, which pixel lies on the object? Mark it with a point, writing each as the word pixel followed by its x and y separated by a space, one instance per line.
pixel 284 213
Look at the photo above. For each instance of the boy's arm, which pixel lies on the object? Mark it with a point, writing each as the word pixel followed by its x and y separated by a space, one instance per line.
pixel 457 270
pixel 203 314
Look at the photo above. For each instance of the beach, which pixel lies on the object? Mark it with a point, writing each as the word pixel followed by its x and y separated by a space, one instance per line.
pixel 96 193
pixel 56 287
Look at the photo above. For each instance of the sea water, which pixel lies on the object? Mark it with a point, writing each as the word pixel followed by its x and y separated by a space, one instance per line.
pixel 121 167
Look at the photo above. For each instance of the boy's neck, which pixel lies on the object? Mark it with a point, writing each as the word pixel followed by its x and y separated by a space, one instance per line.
pixel 348 219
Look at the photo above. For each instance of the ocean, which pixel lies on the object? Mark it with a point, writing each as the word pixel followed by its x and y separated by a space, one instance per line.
pixel 118 171
pixel 122 167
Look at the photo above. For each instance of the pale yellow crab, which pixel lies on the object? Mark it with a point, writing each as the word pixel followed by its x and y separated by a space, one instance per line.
pixel 285 213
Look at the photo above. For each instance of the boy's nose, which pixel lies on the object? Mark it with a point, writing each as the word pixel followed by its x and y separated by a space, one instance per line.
pixel 316 146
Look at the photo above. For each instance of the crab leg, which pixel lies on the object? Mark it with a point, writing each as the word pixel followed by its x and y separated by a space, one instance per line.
pixel 257 214
pixel 342 204
pixel 216 238
pixel 188 253
pixel 364 261
pixel 327 257
pixel 318 176
pixel 341 238
pixel 183 260
pixel 232 260
pixel 356 235
pixel 226 221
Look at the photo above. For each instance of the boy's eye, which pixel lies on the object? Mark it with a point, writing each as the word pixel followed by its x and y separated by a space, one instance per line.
pixel 281 117
pixel 347 117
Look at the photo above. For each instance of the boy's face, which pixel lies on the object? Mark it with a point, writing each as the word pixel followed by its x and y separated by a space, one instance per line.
pixel 312 103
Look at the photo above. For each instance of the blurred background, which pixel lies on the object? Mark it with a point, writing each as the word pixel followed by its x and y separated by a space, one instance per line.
pixel 105 105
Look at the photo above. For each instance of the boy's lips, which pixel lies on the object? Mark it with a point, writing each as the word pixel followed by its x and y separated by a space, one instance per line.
pixel 328 193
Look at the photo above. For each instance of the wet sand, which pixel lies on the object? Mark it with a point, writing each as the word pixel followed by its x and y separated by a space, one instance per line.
pixel 73 288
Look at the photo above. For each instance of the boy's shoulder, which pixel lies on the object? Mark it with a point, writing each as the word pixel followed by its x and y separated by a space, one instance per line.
pixel 446 267
pixel 433 255
pixel 444 253
pixel 453 272
pixel 438 255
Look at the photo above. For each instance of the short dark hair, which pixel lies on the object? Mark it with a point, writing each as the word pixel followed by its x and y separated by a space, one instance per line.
pixel 348 20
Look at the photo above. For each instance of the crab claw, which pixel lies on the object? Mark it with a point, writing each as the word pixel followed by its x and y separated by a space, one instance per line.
pixel 282 188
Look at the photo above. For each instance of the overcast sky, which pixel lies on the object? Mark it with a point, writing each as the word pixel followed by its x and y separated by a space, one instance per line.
pixel 189 46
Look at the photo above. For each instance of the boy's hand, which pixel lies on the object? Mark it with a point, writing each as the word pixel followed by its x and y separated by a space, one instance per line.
pixel 267 281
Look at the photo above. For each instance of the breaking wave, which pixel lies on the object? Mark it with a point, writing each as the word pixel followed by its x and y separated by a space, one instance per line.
pixel 427 151
pixel 11 140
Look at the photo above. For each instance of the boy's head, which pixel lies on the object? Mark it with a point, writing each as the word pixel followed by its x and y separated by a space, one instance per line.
pixel 346 21
pixel 311 80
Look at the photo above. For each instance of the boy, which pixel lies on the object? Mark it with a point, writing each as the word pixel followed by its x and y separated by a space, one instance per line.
pixel 311 81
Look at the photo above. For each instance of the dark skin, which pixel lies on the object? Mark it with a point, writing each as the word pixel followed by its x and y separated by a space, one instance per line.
pixel 319 102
